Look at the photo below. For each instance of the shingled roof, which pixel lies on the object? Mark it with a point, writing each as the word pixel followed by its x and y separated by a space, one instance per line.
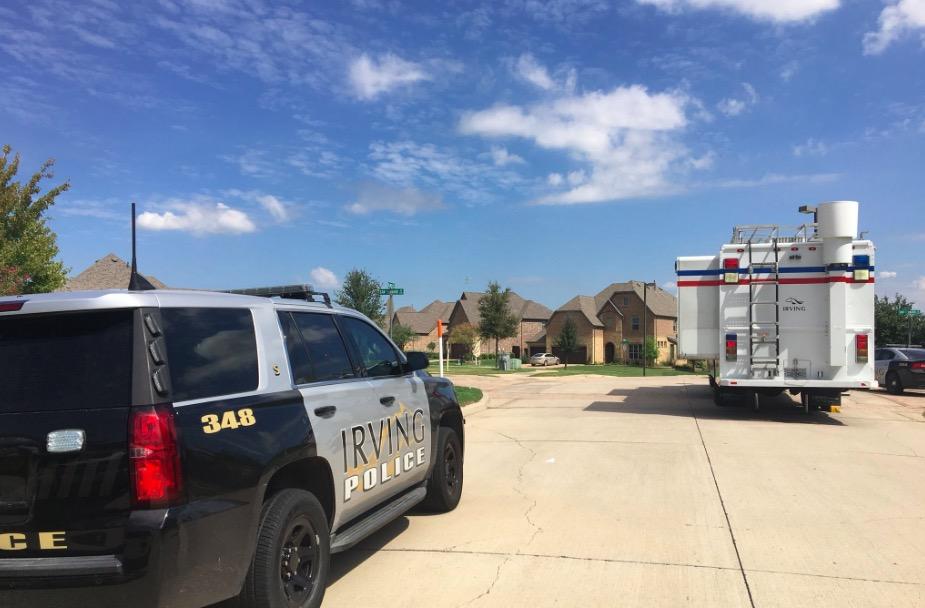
pixel 661 303
pixel 425 320
pixel 108 272
pixel 524 310
pixel 585 305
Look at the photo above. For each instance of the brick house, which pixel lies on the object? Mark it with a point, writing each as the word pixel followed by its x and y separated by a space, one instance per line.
pixel 423 322
pixel 531 325
pixel 616 314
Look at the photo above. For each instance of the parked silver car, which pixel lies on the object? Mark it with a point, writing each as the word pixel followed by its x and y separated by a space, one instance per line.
pixel 544 359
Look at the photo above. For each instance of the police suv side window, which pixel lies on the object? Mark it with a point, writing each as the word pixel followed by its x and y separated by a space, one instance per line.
pixel 298 357
pixel 327 353
pixel 378 356
pixel 210 351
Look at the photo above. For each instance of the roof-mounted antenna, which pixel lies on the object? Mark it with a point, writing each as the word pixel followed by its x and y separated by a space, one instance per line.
pixel 137 282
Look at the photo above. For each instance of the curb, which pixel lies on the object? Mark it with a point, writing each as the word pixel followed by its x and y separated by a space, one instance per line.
pixel 478 407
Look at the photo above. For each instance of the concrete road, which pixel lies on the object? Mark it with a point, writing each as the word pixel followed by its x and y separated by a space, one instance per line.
pixel 594 491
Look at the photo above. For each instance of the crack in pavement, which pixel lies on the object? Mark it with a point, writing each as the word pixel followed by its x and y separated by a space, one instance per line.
pixel 520 482
pixel 636 562
pixel 536 529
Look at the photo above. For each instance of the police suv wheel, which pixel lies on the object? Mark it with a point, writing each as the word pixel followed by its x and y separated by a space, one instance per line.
pixel 446 482
pixel 292 559
pixel 893 385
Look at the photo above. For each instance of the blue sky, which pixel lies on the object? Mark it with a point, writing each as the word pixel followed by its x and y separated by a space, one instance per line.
pixel 552 145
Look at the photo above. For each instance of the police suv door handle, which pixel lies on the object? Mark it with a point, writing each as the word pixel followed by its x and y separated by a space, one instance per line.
pixel 325 412
pixel 387 401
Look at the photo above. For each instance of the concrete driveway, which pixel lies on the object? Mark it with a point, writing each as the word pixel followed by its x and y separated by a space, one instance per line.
pixel 596 491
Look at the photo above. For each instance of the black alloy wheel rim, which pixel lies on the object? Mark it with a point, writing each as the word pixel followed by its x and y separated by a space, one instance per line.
pixel 300 559
pixel 450 468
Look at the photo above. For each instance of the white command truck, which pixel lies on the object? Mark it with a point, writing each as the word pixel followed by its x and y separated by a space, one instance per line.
pixel 783 309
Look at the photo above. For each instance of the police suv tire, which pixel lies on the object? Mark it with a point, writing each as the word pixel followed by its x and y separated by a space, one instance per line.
pixel 893 384
pixel 444 489
pixel 284 517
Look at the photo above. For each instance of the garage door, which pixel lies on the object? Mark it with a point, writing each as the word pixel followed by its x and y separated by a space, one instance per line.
pixel 579 355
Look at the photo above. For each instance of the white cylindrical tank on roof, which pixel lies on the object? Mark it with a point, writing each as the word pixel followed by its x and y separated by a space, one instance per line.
pixel 837 227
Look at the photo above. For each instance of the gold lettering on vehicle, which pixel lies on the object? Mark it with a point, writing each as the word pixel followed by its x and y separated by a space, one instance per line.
pixel 46 541
pixel 379 451
pixel 211 423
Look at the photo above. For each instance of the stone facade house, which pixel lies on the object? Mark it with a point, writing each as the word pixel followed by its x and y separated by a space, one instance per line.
pixel 610 323
pixel 423 322
pixel 531 325
pixel 108 272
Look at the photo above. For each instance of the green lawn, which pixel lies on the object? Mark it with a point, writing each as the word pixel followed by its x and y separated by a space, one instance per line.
pixel 612 370
pixel 487 368
pixel 467 395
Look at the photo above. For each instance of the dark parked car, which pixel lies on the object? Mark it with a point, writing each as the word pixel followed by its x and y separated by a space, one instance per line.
pixel 900 368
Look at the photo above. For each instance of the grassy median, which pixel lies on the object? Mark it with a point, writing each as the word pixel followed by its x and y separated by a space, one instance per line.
pixel 468 395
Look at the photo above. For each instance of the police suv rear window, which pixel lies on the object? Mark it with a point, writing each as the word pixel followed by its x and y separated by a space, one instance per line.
pixel 66 361
pixel 210 351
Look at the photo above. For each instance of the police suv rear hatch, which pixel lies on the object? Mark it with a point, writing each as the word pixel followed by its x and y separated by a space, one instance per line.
pixel 66 389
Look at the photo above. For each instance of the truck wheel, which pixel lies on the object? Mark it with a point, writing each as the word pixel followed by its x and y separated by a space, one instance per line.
pixel 446 482
pixel 893 384
pixel 719 397
pixel 293 554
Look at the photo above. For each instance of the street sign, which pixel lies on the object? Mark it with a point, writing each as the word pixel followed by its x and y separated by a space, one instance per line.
pixel 916 312
pixel 392 291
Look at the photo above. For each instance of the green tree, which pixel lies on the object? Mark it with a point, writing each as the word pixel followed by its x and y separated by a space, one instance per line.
pixel 431 347
pixel 651 349
pixel 497 321
pixel 466 335
pixel 28 247
pixel 401 335
pixel 893 328
pixel 567 340
pixel 360 292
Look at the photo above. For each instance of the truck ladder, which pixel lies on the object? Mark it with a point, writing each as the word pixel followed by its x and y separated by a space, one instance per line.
pixel 764 333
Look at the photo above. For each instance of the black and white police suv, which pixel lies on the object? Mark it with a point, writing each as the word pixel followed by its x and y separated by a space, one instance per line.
pixel 179 448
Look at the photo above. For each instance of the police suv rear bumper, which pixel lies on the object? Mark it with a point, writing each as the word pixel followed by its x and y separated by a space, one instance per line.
pixel 173 558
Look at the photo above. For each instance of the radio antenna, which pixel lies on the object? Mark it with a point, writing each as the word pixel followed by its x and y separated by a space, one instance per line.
pixel 137 282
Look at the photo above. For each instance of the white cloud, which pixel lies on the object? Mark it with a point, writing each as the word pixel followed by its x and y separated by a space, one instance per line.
pixel 252 162
pixel 198 218
pixel 530 70
pixel 554 179
pixel 403 201
pixel 322 278
pixel 628 137
pixel 370 78
pixel 501 157
pixel 274 207
pixel 278 209
pixel 771 179
pixel 897 19
pixel 920 283
pixel 886 274
pixel 811 147
pixel 734 106
pixel 779 11
pixel 527 68
pixel 407 163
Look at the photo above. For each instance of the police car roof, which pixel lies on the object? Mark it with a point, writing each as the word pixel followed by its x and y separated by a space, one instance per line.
pixel 124 298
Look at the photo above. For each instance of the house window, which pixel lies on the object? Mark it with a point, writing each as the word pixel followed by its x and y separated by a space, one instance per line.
pixel 635 322
pixel 626 300
pixel 635 352
pixel 674 326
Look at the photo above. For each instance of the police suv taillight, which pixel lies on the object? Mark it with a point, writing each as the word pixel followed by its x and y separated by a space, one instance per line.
pixel 731 271
pixel 732 347
pixel 860 344
pixel 154 457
